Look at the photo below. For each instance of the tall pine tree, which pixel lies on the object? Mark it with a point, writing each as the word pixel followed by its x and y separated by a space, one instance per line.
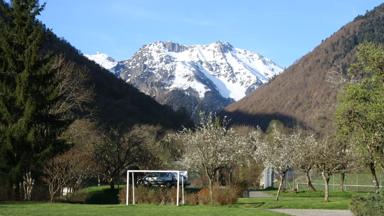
pixel 28 127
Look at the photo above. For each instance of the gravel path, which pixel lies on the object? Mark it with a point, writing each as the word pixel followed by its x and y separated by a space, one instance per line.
pixel 314 212
pixel 258 194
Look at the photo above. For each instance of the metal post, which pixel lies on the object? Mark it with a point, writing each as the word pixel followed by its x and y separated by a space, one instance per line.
pixel 178 188
pixel 127 195
pixel 133 188
pixel 182 190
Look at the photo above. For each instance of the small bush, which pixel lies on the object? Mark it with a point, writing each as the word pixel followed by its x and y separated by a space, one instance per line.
pixel 106 196
pixel 76 197
pixel 150 195
pixel 192 199
pixel 221 195
pixel 371 205
pixel 158 195
pixel 225 195
pixel 203 196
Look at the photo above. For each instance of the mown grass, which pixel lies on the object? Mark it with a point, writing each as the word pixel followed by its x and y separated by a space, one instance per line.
pixel 38 209
pixel 244 206
pixel 363 179
pixel 300 200
pixel 295 203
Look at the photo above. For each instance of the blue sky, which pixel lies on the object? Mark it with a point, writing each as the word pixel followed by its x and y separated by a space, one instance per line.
pixel 283 30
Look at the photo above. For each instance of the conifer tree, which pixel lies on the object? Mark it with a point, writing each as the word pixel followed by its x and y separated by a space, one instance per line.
pixel 28 127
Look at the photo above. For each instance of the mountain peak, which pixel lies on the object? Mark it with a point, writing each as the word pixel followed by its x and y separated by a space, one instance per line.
pixel 168 46
pixel 207 76
pixel 103 60
pixel 222 46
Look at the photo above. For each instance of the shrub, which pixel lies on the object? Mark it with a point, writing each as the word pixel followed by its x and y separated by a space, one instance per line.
pixel 192 199
pixel 150 195
pixel 371 205
pixel 203 196
pixel 221 195
pixel 106 196
pixel 225 195
pixel 76 197
pixel 158 195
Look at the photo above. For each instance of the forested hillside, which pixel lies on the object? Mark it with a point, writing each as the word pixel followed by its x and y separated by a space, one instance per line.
pixel 307 92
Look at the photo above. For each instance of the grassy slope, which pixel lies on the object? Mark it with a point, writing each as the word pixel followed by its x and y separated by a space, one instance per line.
pixel 38 209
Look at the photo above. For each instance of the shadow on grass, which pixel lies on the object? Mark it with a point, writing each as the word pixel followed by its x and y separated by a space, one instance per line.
pixel 102 196
pixel 252 204
pixel 106 196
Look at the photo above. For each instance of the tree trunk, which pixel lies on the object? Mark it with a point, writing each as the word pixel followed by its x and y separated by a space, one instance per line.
pixel 282 178
pixel 51 196
pixel 342 181
pixel 309 181
pixel 217 176
pixel 112 183
pixel 28 183
pixel 230 177
pixel 10 191
pixel 375 180
pixel 17 191
pixel 326 186
pixel 210 190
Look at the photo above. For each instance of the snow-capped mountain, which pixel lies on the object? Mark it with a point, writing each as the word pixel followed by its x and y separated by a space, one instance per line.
pixel 103 60
pixel 196 77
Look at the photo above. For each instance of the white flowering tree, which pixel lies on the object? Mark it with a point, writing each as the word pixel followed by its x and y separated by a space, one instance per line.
pixel 304 159
pixel 329 159
pixel 212 146
pixel 278 151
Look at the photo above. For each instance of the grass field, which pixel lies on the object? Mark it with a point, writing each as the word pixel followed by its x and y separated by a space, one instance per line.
pixel 363 179
pixel 301 200
pixel 38 209
pixel 244 206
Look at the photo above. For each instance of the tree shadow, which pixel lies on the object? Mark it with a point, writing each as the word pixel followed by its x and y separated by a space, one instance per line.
pixel 262 120
pixel 250 204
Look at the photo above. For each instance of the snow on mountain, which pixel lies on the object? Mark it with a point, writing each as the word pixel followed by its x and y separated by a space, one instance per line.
pixel 195 77
pixel 231 70
pixel 103 60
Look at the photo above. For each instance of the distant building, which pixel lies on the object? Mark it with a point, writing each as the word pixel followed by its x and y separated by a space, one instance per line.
pixel 267 178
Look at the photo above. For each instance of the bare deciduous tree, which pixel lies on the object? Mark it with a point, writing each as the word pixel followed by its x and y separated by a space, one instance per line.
pixel 55 175
pixel 68 170
pixel 116 151
pixel 328 160
pixel 74 90
pixel 304 155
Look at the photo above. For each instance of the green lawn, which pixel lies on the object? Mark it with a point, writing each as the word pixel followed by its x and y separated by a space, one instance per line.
pixel 303 200
pixel 244 206
pixel 295 202
pixel 363 178
pixel 39 209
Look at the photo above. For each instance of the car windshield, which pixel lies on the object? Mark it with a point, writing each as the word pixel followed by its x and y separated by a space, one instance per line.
pixel 152 175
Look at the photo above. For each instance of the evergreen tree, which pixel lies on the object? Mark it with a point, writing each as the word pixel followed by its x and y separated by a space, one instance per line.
pixel 28 127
